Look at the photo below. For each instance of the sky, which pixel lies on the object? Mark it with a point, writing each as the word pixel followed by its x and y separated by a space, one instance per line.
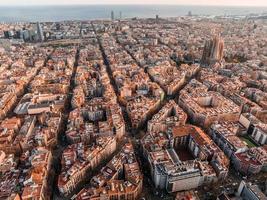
pixel 178 2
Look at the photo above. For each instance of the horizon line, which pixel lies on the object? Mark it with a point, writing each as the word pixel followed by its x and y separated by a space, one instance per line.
pixel 200 5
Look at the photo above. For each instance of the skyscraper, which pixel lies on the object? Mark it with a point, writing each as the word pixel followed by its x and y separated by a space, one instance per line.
pixel 40 34
pixel 112 15
pixel 213 50
pixel 189 13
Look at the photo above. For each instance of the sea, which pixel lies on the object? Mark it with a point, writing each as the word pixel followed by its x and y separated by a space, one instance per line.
pixel 89 12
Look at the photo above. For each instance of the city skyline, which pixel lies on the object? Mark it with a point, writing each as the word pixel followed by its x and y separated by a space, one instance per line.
pixel 113 101
pixel 137 2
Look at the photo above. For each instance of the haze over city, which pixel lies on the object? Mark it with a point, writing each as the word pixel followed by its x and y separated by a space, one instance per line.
pixel 153 2
pixel 140 100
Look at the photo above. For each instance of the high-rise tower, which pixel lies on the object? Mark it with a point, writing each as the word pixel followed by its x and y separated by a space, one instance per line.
pixel 112 15
pixel 40 34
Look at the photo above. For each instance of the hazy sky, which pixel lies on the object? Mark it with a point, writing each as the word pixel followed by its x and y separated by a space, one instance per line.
pixel 185 2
